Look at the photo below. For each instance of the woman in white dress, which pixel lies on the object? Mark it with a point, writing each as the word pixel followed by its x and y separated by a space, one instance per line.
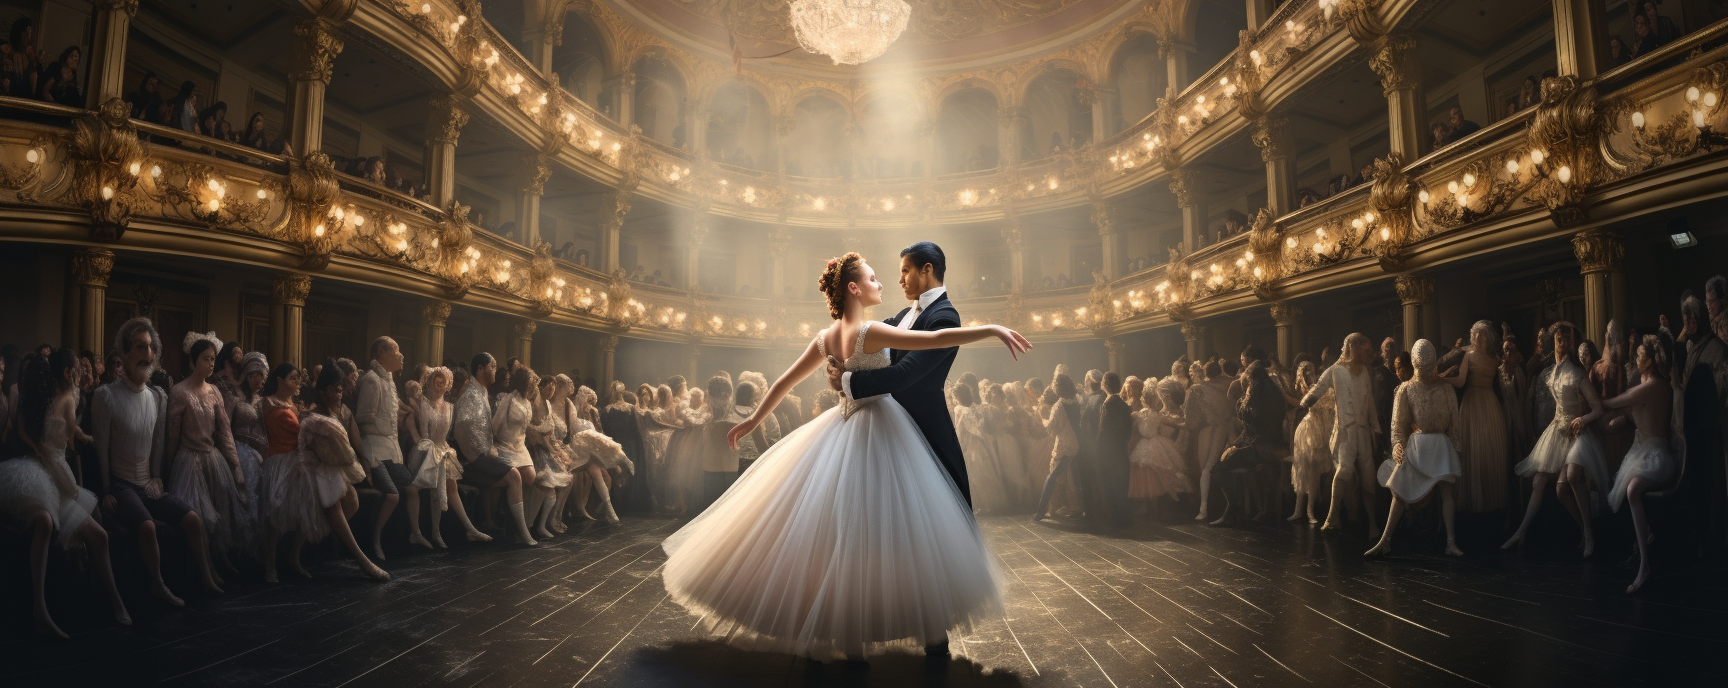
pixel 38 489
pixel 847 536
pixel 1353 429
pixel 1156 468
pixel 1424 451
pixel 438 467
pixel 1651 463
pixel 1311 451
pixel 1568 439
pixel 510 420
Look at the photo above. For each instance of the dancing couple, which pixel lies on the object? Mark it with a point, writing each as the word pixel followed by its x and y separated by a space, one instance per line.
pixel 854 533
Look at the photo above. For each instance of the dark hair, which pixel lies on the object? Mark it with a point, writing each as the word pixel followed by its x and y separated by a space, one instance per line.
pixel 519 380
pixel 187 88
pixel 744 394
pixel 969 379
pixel 1213 370
pixel 198 349
pixel 676 381
pixel 17 36
pixel 1404 358
pixel 479 361
pixel 927 253
pixel 43 378
pixel 719 390
pixel 835 276
pixel 1112 382
pixel 963 395
pixel 1716 286
pixel 1064 387
pixel 1254 353
pixel 225 357
pixel 328 376
pixel 270 382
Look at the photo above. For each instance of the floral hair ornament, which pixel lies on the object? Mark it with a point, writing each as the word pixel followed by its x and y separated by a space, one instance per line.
pixel 193 337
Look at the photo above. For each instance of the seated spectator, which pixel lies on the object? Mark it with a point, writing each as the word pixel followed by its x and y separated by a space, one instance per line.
pixel 255 137
pixel 23 65
pixel 60 80
pixel 1643 37
pixel 1441 134
pixel 1618 53
pixel 1530 93
pixel 1511 107
pixel 183 110
pixel 1663 26
pixel 1460 127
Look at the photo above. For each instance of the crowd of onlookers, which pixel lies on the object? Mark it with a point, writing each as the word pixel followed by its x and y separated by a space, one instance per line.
pixel 26 71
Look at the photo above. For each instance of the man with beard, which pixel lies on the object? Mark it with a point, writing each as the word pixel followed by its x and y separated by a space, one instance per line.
pixel 129 421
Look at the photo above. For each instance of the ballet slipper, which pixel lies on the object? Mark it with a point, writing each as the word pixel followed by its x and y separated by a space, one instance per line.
pixel 1381 549
pixel 415 538
pixel 1516 539
pixel 474 535
pixel 521 523
pixel 1452 550
pixel 161 591
pixel 541 518
pixel 378 551
pixel 375 573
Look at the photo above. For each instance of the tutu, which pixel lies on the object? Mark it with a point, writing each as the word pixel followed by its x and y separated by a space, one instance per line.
pixel 1588 451
pixel 843 539
pixel 1549 455
pixel 1650 458
pixel 1429 458
pixel 1156 468
pixel 1312 453
pixel 205 482
pixel 25 484
pixel 252 465
pixel 301 486
pixel 549 472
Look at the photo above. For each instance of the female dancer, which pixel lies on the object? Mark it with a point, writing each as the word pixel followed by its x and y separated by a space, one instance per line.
pixel 39 490
pixel 1574 397
pixel 438 466
pixel 1481 424
pixel 1157 469
pixel 1651 463
pixel 510 421
pixel 1423 452
pixel 204 470
pixel 547 438
pixel 250 439
pixel 310 487
pixel 1311 451
pixel 846 536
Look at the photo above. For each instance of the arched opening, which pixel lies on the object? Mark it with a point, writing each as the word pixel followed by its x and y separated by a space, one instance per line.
pixel 1056 121
pixel 1140 77
pixel 817 145
pixel 580 60
pixel 966 138
pixel 740 130
pixel 659 108
pixel 892 146
pixel 1217 25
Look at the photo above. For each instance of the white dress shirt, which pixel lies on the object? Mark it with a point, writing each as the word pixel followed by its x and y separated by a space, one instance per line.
pixel 924 301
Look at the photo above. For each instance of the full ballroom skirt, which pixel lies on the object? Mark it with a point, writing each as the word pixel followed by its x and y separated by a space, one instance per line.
pixel 844 539
pixel 988 473
pixel 1311 451
pixel 205 482
pixel 297 490
pixel 1156 468
pixel 1480 427
pixel 1429 459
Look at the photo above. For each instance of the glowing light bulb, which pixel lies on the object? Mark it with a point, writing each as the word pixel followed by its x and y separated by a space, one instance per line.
pixel 1638 119
pixel 1469 179
pixel 1698 118
pixel 1710 99
pixel 1291 242
pixel 1565 174
pixel 1692 94
pixel 215 205
pixel 32 156
pixel 132 169
pixel 1537 156
pixel 1385 234
pixel 318 231
pixel 1422 196
pixel 262 194
pixel 1512 166
pixel 107 193
pixel 1452 187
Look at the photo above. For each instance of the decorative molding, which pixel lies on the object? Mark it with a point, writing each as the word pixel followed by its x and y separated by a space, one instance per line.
pixel 1413 289
pixel 291 289
pixel 1598 250
pixel 92 266
pixel 316 46
pixel 436 313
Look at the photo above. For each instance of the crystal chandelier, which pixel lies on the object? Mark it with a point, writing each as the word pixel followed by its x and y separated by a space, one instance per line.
pixel 849 31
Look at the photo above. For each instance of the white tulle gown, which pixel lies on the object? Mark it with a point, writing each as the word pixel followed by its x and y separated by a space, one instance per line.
pixel 844 539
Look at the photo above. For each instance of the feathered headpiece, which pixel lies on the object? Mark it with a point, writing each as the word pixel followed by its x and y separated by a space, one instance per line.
pixel 193 337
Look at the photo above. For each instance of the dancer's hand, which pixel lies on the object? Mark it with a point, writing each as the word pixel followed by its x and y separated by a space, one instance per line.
pixel 1017 344
pixel 1398 454
pixel 1577 426
pixel 835 370
pixel 741 430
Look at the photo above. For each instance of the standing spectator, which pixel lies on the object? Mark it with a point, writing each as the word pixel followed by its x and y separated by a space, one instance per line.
pixel 24 62
pixel 376 408
pixel 1662 26
pixel 60 81
pixel 1460 127
pixel 254 136
pixel 1618 53
pixel 147 102
pixel 183 109
pixel 1643 36
pixel 1530 93
pixel 1110 467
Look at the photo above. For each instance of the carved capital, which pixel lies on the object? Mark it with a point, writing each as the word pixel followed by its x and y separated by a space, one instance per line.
pixel 312 191
pixel 445 119
pixel 614 209
pixel 1007 116
pixel 1192 331
pixel 523 329
pixel 538 172
pixel 1391 62
pixel 128 7
pixel 610 344
pixel 1272 136
pixel 1570 124
pixel 91 266
pixel 1392 197
pixel 1598 250
pixel 316 46
pixel 1285 314
pixel 291 290
pixel 1181 184
pixel 1413 289
pixel 1013 236
pixel 1362 19
pixel 437 313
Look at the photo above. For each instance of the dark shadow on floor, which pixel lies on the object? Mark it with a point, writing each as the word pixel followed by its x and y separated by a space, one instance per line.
pixel 716 664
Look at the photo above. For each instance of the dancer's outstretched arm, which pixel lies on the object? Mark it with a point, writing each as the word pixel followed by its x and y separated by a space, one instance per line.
pixel 806 364
pixel 879 338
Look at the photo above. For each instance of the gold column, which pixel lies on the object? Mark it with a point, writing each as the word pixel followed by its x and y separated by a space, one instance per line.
pixel 444 121
pixel 1109 239
pixel 1391 60
pixel 1175 58
pixel 784 125
pixel 1581 38
pixel 315 49
pixel 1114 349
pixel 287 305
pixel 626 94
pixel 522 340
pixel 1285 315
pixel 91 267
pixel 1600 253
pixel 778 243
pixel 535 174
pixel 612 213
pixel 1414 294
pixel 1258 12
pixel 437 315
pixel 691 380
pixel 1008 137
pixel 699 224
pixel 1193 333
pixel 107 56
pixel 698 129
pixel 608 361
pixel 1183 184
pixel 1272 137
pixel 1016 241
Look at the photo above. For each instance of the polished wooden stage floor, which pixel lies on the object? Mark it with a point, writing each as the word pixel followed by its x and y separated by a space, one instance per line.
pixel 1169 604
